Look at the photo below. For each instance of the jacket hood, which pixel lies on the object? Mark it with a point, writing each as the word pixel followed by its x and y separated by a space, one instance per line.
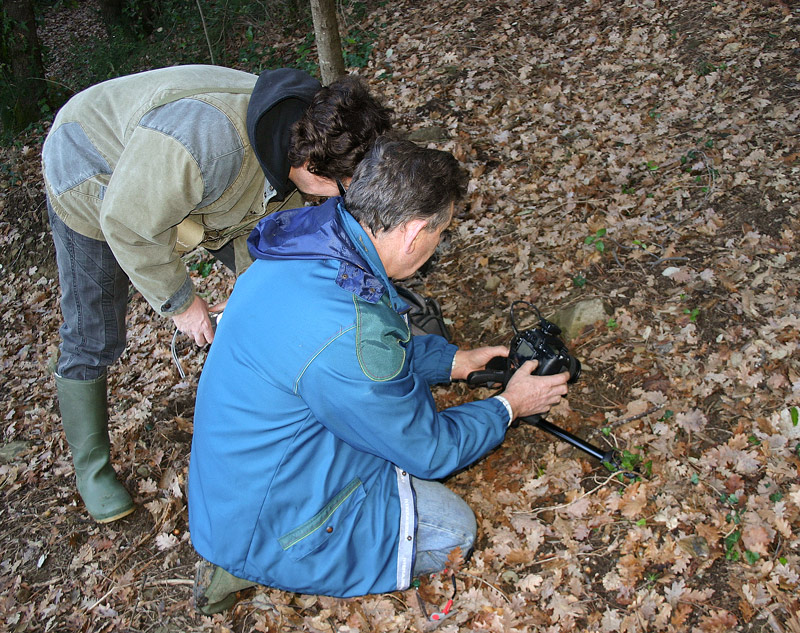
pixel 320 233
pixel 279 99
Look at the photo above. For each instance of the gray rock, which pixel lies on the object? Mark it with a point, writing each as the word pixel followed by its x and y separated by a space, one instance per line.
pixel 575 318
pixel 431 134
pixel 10 451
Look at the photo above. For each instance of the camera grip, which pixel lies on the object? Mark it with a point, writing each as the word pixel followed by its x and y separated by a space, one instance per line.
pixel 498 372
pixel 486 377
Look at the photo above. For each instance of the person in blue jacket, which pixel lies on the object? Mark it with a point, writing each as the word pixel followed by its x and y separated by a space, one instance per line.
pixel 317 443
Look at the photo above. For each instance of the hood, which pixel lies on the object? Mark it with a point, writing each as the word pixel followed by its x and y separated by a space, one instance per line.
pixel 321 233
pixel 279 99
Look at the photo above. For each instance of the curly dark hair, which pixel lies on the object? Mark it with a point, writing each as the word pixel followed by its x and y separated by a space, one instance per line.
pixel 338 128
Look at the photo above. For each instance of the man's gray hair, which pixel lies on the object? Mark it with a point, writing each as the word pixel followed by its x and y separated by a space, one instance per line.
pixel 398 181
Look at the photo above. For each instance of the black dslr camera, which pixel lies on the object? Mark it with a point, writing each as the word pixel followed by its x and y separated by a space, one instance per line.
pixel 541 343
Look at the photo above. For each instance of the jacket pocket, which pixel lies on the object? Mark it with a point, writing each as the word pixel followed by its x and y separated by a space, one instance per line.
pixel 329 524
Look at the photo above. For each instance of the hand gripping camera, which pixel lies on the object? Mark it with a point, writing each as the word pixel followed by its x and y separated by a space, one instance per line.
pixel 540 343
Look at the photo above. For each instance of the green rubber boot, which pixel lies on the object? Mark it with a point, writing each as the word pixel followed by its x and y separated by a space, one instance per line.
pixel 84 415
pixel 215 589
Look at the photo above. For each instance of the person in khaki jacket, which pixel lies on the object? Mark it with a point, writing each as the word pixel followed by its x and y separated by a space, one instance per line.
pixel 143 168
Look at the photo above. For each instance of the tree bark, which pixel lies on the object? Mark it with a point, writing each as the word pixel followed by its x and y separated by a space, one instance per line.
pixel 329 44
pixel 111 10
pixel 21 52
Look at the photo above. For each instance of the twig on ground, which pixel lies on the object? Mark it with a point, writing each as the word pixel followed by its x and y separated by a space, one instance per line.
pixel 537 511
pixel 661 260
pixel 630 418
pixel 488 584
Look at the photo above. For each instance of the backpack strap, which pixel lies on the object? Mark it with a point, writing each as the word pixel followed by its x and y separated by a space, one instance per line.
pixel 425 316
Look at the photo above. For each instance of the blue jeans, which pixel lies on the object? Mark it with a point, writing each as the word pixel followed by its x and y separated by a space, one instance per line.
pixel 94 302
pixel 444 522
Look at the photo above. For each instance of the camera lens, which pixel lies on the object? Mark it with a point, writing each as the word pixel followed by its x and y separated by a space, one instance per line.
pixel 574 369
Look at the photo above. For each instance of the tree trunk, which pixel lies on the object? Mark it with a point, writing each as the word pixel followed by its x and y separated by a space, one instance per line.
pixel 329 44
pixel 111 10
pixel 21 53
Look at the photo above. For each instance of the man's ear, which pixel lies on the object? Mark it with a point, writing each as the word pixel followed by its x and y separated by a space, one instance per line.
pixel 411 230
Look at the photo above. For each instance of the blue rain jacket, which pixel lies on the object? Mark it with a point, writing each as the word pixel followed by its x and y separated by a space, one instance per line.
pixel 313 410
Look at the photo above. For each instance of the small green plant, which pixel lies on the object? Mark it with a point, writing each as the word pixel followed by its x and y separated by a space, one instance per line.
pixel 794 414
pixel 631 463
pixel 693 313
pixel 305 54
pixel 735 515
pixel 612 324
pixel 249 54
pixel 358 47
pixel 688 157
pixel 706 68
pixel 651 165
pixel 731 542
pixel 596 240
pixel 202 267
pixel 579 281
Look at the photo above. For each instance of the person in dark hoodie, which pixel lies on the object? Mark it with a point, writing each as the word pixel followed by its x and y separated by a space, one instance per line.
pixel 141 169
pixel 317 443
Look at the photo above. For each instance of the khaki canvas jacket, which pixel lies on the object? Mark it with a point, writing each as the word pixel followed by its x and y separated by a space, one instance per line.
pixel 156 164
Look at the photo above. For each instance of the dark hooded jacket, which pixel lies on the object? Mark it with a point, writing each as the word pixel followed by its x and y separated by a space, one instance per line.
pixel 188 148
pixel 313 410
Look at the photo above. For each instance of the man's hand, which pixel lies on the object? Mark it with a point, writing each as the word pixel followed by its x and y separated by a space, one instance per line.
pixel 534 395
pixel 219 307
pixel 195 322
pixel 468 361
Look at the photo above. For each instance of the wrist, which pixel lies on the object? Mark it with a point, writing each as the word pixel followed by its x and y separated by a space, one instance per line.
pixel 180 301
pixel 508 407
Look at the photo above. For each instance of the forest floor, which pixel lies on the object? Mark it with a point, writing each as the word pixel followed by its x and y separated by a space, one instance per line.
pixel 639 152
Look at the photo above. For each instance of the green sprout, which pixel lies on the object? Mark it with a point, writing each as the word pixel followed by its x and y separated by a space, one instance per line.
pixel 731 541
pixel 751 557
pixel 596 240
pixel 202 267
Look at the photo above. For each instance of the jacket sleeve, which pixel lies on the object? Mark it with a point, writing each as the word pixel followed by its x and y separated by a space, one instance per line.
pixel 155 185
pixel 397 419
pixel 432 358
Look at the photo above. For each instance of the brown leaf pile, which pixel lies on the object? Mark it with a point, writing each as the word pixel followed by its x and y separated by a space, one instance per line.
pixel 642 152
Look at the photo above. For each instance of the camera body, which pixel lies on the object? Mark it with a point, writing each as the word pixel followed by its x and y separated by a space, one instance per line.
pixel 544 345
pixel 541 343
